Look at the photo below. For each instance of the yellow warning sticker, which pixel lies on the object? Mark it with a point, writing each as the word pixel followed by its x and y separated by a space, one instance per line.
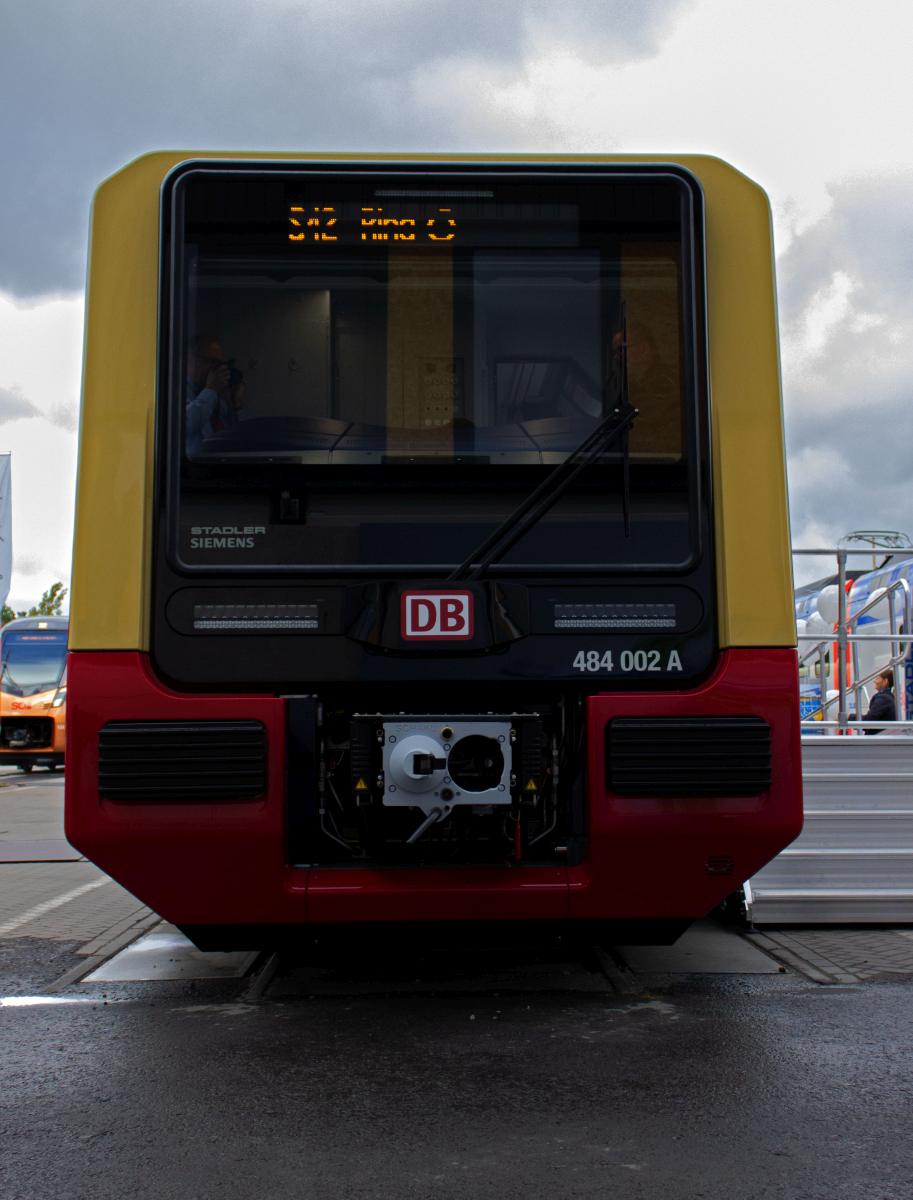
pixel 531 786
pixel 361 786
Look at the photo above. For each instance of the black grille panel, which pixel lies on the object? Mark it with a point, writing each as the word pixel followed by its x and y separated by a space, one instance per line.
pixel 191 761
pixel 688 756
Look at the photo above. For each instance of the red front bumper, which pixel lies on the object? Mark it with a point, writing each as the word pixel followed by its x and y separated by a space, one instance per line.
pixel 211 864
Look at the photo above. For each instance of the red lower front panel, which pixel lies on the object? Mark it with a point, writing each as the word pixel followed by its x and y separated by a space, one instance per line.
pixel 659 857
pixel 226 863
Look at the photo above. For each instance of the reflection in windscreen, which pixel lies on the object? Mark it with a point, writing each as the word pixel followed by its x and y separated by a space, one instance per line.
pixel 497 355
pixel 32 662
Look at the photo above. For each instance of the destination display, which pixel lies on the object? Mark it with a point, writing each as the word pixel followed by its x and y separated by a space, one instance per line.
pixel 474 221
pixel 322 223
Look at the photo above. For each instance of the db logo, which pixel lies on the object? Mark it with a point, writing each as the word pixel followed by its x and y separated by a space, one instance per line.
pixel 437 616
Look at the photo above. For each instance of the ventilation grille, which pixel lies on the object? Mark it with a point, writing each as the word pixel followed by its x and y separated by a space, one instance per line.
pixel 189 761
pixel 688 756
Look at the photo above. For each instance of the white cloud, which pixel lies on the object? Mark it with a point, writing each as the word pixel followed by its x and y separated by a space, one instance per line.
pixel 43 479
pixel 40 362
pixel 829 308
pixel 41 350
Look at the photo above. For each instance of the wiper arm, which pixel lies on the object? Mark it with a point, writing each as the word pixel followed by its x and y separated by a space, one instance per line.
pixel 616 425
pixel 626 476
pixel 549 491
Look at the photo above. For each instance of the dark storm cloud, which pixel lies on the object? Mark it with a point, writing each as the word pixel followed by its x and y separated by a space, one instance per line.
pixel 87 86
pixel 846 289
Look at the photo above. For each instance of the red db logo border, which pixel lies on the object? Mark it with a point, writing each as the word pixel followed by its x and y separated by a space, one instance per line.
pixel 434 598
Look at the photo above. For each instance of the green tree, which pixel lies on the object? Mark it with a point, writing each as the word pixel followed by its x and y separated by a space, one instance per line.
pixel 51 602
pixel 50 605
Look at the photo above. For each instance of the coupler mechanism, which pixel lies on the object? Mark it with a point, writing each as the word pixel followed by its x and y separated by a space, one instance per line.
pixel 438 764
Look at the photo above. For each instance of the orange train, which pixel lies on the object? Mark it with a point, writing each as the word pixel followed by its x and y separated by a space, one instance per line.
pixel 33 692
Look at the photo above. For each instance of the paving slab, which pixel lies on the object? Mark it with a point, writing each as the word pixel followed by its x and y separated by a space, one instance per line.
pixel 164 953
pixel 19 850
pixel 32 808
pixel 63 901
pixel 836 955
pixel 705 949
pixel 47 890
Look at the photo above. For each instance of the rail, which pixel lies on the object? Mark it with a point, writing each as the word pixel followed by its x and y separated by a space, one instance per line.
pixel 845 635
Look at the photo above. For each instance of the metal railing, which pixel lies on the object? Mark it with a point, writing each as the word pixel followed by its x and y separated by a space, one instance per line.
pixel 846 638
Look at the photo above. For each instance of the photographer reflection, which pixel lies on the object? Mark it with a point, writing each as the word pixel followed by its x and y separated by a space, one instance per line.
pixel 214 392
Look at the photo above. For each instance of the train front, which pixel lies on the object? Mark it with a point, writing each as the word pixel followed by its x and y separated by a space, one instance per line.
pixel 33 692
pixel 455 591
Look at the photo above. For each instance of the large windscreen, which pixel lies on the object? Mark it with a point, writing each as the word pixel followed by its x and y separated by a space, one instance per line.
pixel 421 322
pixel 32 661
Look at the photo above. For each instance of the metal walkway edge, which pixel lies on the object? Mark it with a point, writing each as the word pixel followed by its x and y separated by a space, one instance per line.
pixel 853 862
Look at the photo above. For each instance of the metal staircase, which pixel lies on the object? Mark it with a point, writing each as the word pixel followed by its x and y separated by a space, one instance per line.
pixel 853 862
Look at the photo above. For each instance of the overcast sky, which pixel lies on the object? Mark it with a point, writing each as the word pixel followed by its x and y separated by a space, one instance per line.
pixel 811 98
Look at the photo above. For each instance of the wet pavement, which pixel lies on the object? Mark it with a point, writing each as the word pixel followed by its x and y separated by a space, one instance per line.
pixel 719 1086
pixel 706 1070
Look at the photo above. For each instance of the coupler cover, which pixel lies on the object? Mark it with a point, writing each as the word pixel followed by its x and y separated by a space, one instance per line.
pixel 437 764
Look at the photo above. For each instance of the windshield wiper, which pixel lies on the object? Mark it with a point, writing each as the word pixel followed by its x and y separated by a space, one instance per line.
pixel 613 427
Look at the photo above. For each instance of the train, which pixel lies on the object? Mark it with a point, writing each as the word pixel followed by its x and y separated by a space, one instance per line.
pixel 33 693
pixel 445 499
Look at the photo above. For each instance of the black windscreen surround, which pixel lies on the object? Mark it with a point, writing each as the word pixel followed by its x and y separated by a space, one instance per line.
pixel 367 372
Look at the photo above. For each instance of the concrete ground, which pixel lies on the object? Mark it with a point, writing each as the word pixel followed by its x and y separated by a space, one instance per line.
pixel 716 1068
pixel 58 913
